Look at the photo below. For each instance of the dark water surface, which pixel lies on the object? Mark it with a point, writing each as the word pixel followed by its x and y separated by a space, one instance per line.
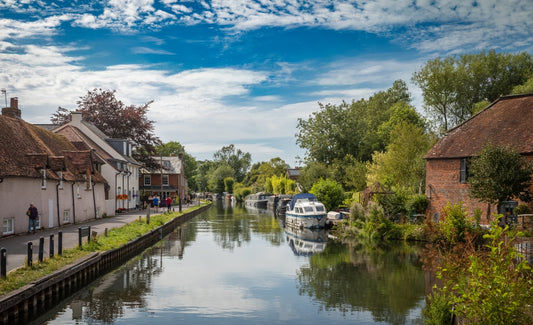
pixel 237 266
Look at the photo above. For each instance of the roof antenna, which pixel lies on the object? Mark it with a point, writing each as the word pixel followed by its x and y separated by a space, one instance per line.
pixel 3 91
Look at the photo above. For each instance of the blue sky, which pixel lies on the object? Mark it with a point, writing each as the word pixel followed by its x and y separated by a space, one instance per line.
pixel 238 72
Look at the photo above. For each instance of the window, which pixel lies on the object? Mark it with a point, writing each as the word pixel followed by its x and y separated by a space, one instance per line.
pixel 66 216
pixel 165 180
pixel 43 180
pixel 8 226
pixel 166 164
pixel 147 180
pixel 78 192
pixel 463 178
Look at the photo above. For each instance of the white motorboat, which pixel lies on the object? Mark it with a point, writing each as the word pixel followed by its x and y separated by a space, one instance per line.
pixel 305 211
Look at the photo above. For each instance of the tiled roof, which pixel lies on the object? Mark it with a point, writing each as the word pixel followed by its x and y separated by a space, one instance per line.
pixel 508 121
pixel 26 148
pixel 174 165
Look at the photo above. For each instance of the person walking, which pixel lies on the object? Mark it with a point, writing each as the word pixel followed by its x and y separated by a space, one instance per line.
pixel 33 215
pixel 156 203
pixel 169 203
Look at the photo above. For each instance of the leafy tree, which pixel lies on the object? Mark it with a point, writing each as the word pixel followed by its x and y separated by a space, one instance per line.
pixel 174 148
pixel 201 179
pixel 402 165
pixel 349 172
pixel 452 86
pixel 526 87
pixel 117 120
pixel 312 173
pixel 262 170
pixel 216 176
pixel 228 184
pixel 500 174
pixel 329 192
pixel 235 158
pixel 336 131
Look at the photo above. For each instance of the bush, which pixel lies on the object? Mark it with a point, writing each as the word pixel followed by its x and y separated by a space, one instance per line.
pixel 438 310
pixel 394 205
pixel 521 209
pixel 418 204
pixel 455 224
pixel 329 192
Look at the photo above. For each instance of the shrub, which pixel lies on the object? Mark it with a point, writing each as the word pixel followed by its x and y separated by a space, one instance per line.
pixel 438 310
pixel 521 209
pixel 455 224
pixel 418 203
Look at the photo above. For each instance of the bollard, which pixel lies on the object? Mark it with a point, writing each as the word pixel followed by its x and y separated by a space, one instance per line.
pixel 3 263
pixel 60 243
pixel 51 245
pixel 105 231
pixel 29 262
pixel 41 249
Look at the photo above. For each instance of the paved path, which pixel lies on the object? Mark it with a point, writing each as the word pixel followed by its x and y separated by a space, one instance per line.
pixel 17 245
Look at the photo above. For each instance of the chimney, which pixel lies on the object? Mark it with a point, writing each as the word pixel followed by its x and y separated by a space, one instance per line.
pixel 12 111
pixel 180 155
pixel 75 118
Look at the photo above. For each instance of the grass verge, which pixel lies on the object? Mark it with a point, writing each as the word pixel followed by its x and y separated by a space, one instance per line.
pixel 116 238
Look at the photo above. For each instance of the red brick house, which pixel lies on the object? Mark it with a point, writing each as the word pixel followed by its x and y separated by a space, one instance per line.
pixel 166 181
pixel 41 167
pixel 508 121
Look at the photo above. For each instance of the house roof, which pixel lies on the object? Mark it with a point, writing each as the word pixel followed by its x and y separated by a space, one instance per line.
pixel 174 165
pixel 26 149
pixel 507 121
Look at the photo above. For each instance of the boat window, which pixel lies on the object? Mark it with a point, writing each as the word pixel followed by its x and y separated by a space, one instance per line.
pixel 320 208
pixel 308 209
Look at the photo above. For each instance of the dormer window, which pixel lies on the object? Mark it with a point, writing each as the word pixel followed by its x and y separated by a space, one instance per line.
pixel 166 164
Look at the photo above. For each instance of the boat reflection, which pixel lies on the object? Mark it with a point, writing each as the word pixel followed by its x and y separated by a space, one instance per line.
pixel 305 241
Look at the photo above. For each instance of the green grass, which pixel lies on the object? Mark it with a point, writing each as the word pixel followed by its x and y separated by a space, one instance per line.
pixel 116 238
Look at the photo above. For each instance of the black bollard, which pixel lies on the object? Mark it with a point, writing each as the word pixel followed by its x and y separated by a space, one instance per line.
pixel 29 262
pixel 3 263
pixel 60 243
pixel 41 249
pixel 51 245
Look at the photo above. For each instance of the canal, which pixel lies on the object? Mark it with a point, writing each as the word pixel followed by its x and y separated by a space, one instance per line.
pixel 231 265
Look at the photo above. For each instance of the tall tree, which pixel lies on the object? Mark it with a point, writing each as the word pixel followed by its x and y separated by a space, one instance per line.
pixel 237 159
pixel 116 120
pixel 452 86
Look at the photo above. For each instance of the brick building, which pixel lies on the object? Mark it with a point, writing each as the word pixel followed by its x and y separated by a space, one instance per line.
pixel 508 121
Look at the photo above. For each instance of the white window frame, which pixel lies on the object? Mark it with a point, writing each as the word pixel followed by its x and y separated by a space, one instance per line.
pixel 43 180
pixel 147 178
pixel 66 216
pixel 10 222
pixel 165 180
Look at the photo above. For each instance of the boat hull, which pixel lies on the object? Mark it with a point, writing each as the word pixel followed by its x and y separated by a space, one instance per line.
pixel 312 221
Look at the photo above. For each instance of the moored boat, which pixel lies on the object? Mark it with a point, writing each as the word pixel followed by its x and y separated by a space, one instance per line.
pixel 306 242
pixel 305 211
pixel 257 200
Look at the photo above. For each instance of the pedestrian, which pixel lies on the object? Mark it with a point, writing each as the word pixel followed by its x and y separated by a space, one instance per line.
pixel 156 203
pixel 33 215
pixel 169 202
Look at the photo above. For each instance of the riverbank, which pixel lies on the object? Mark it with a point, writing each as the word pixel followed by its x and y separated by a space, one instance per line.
pixel 40 293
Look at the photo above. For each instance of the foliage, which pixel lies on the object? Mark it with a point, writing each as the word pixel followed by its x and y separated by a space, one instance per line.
pixel 496 287
pixel 521 209
pixel 216 177
pixel 235 158
pixel 438 310
pixel 349 172
pixel 240 192
pixel 201 179
pixel 311 173
pixel 499 174
pixel 455 224
pixel 228 184
pixel 174 148
pixel 526 87
pixel 280 185
pixel 116 120
pixel 350 129
pixel 402 165
pixel 329 192
pixel 394 205
pixel 451 86
pixel 262 170
pixel 418 203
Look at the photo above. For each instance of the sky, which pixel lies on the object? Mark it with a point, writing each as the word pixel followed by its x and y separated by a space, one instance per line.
pixel 239 72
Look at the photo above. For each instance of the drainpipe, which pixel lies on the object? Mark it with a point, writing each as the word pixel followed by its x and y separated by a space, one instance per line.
pixel 73 203
pixel 94 199
pixel 116 174
pixel 123 188
pixel 129 198
pixel 57 204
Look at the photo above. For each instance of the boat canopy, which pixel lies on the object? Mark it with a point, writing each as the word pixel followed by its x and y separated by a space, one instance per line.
pixel 309 196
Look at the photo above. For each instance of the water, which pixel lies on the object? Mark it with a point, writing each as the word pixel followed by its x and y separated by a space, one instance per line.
pixel 235 266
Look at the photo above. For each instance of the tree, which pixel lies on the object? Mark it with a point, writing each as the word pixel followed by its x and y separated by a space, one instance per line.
pixel 312 173
pixel 500 174
pixel 174 148
pixel 262 170
pixel 402 165
pixel 116 120
pixel 336 131
pixel 329 192
pixel 235 158
pixel 216 176
pixel 526 87
pixel 452 86
pixel 228 184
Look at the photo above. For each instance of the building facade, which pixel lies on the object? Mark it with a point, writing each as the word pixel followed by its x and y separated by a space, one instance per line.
pixel 166 181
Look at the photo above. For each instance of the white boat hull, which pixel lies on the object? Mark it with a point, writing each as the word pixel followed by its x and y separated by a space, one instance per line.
pixel 305 221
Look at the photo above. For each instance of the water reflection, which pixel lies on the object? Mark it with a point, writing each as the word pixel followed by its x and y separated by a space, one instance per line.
pixel 230 266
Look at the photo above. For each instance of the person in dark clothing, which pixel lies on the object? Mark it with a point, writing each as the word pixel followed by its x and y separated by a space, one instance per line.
pixel 33 215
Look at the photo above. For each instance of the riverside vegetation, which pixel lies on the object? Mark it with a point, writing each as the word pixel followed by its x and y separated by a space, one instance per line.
pixel 116 238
